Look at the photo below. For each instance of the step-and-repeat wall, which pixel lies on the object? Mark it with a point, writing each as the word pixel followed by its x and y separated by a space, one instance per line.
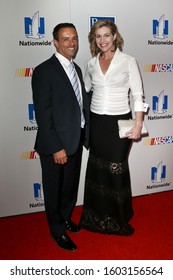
pixel 26 40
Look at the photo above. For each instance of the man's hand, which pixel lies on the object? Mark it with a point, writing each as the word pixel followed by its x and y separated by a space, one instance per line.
pixel 60 157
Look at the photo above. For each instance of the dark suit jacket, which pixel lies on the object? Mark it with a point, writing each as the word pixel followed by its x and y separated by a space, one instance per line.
pixel 56 109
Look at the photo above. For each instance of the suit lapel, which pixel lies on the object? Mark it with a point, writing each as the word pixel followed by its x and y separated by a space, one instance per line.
pixel 59 69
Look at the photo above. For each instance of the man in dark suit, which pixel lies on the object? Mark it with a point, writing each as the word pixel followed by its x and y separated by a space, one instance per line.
pixel 62 132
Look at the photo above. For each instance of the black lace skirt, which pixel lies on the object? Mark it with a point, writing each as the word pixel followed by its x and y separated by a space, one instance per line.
pixel 107 204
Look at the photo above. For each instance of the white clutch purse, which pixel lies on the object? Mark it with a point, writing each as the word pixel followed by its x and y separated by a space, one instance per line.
pixel 125 125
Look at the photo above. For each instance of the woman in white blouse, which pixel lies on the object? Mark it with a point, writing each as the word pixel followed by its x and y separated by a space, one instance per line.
pixel 111 76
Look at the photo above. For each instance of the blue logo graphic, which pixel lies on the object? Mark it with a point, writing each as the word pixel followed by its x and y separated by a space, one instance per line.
pixel 160 28
pixel 160 103
pixel 31 113
pixel 93 19
pixel 158 174
pixel 34 27
pixel 38 192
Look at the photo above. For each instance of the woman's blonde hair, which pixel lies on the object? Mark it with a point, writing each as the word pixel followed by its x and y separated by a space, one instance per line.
pixel 119 42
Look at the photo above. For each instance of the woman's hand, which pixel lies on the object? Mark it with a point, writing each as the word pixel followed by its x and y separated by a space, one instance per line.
pixel 135 132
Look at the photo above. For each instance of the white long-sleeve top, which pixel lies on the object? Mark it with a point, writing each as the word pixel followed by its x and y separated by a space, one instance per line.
pixel 111 90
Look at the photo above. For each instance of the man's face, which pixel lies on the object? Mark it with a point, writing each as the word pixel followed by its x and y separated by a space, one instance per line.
pixel 67 44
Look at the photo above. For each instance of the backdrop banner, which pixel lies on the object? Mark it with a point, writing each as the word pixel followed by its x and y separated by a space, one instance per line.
pixel 26 41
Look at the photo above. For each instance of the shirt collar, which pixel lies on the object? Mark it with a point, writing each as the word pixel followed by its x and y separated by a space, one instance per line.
pixel 63 59
pixel 116 54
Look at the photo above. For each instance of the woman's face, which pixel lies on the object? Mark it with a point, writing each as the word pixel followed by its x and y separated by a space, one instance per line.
pixel 105 39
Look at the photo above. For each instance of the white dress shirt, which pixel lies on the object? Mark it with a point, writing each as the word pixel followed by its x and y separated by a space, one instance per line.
pixel 111 90
pixel 65 64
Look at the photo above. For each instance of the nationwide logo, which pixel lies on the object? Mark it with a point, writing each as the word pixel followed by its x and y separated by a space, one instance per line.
pixel 34 28
pixel 38 195
pixel 160 103
pixel 158 68
pixel 158 176
pixel 38 192
pixel 32 120
pixel 160 28
pixel 93 19
pixel 159 140
pixel 29 155
pixel 160 107
pixel 31 113
pixel 158 173
pixel 24 72
pixel 160 32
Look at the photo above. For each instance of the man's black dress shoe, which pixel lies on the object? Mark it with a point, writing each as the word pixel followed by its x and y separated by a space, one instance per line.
pixel 65 242
pixel 71 226
pixel 127 229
